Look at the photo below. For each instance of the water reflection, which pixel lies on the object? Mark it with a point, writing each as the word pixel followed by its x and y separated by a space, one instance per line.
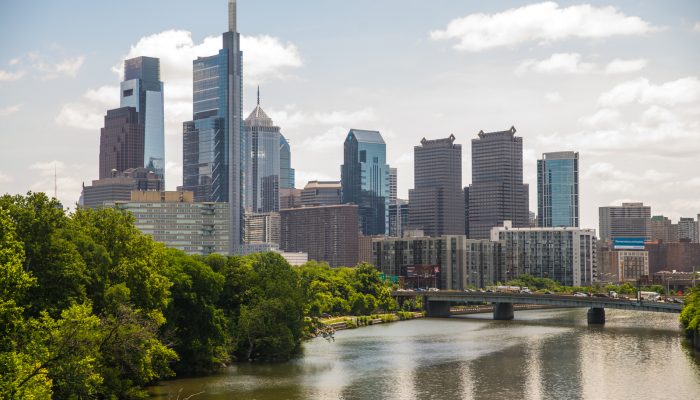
pixel 547 354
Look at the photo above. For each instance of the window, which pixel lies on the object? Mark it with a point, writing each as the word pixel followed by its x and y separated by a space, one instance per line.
pixel 363 156
pixel 128 92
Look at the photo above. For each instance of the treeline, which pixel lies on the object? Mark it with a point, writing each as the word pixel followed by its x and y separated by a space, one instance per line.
pixel 544 284
pixel 92 308
pixel 690 316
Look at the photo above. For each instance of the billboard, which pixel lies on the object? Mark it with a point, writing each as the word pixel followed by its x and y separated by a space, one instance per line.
pixel 628 243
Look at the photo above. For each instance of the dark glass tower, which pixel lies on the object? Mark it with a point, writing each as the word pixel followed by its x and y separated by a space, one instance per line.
pixel 365 179
pixel 497 192
pixel 121 142
pixel 214 141
pixel 143 90
pixel 286 170
pixel 263 154
pixel 557 190
pixel 436 204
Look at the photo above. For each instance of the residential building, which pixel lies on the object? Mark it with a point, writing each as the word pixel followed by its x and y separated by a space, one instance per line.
pixel 214 158
pixel 398 217
pixel 663 229
pixel 321 193
pixel 497 192
pixel 121 142
pixel 262 228
pixel 176 220
pixel 119 186
pixel 326 233
pixel 143 90
pixel 680 256
pixel 393 184
pixel 263 158
pixel 687 230
pixel 436 203
pixel 365 179
pixel 286 171
pixel 565 254
pixel 364 249
pixel 629 220
pixel 558 190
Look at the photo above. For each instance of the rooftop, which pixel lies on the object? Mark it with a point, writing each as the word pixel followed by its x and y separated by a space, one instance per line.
pixel 366 136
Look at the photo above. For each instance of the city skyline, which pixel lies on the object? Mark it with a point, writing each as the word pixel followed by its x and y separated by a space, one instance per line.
pixel 625 98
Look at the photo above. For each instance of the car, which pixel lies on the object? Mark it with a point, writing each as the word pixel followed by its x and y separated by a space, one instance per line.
pixel 526 291
pixel 433 289
pixel 419 289
pixel 548 292
pixel 579 294
pixel 482 291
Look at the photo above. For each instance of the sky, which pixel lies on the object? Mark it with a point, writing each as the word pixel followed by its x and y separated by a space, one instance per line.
pixel 617 81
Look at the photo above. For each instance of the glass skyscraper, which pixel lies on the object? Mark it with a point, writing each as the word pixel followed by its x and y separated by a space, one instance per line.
pixel 143 90
pixel 214 157
pixel 286 171
pixel 365 179
pixel 557 190
pixel 263 155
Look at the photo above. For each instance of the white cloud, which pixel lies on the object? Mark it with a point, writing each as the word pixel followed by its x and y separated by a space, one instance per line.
pixel 640 90
pixel 330 139
pixel 65 68
pixel 541 22
pixel 618 66
pixel 610 179
pixel 345 117
pixel 405 159
pixel 553 97
pixel 89 112
pixel 288 118
pixel 68 187
pixel 604 117
pixel 4 178
pixel 696 27
pixel 266 57
pixel 9 110
pixel 561 63
pixel 7 76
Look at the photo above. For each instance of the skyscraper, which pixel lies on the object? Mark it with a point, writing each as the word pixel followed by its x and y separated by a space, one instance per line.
pixel 436 203
pixel 557 190
pixel 631 220
pixel 263 156
pixel 286 171
pixel 365 179
pixel 393 185
pixel 214 159
pixel 143 90
pixel 121 142
pixel 497 192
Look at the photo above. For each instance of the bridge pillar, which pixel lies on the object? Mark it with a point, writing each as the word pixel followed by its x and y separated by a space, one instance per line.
pixel 596 316
pixel 437 309
pixel 503 311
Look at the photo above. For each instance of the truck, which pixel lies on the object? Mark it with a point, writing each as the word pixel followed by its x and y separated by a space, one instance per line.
pixel 650 296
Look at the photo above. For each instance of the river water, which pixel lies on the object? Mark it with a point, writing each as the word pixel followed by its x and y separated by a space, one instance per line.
pixel 542 354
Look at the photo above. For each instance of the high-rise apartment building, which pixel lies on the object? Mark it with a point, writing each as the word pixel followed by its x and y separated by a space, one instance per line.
pixel 214 145
pixel 286 171
pixel 143 90
pixel 393 185
pixel 398 217
pixel 326 233
pixel 558 190
pixel 436 203
pixel 263 158
pixel 663 229
pixel 121 142
pixel 629 220
pixel 262 228
pixel 365 179
pixel 497 192
pixel 321 193
pixel 687 230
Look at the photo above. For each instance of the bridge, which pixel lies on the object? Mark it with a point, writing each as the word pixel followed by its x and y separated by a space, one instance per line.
pixel 437 304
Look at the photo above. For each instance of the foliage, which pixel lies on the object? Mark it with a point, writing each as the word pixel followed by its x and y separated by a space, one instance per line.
pixel 690 316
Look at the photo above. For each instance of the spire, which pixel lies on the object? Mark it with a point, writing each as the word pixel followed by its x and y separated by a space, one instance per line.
pixel 258 94
pixel 232 15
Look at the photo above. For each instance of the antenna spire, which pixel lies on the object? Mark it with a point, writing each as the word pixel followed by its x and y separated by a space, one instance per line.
pixel 232 15
pixel 258 94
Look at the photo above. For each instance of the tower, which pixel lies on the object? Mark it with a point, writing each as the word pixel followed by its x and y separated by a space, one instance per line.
pixel 557 190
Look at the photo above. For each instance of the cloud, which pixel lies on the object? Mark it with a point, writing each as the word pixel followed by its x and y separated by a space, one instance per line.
pixel 405 159
pixel 618 66
pixel 640 90
pixel 541 22
pixel 570 63
pixel 4 178
pixel 696 27
pixel 345 117
pixel 9 110
pixel 553 97
pixel 65 68
pixel 7 76
pixel 610 179
pixel 602 117
pixel 89 112
pixel 266 57
pixel 330 139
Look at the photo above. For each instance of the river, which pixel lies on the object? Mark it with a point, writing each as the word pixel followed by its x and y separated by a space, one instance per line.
pixel 542 354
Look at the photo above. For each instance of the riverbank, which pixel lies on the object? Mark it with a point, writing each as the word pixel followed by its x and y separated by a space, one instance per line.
pixel 352 322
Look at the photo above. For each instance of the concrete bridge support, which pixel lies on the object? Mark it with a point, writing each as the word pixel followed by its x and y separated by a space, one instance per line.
pixel 437 309
pixel 503 311
pixel 596 316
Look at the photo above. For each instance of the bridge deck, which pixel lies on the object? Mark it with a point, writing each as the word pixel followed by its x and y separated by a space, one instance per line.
pixel 545 299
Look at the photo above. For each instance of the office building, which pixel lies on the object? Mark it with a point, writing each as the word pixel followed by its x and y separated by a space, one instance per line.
pixel 629 220
pixel 557 190
pixel 398 217
pixel 262 228
pixel 143 90
pixel 436 203
pixel 286 171
pixel 119 186
pixel 121 142
pixel 290 198
pixel 214 158
pixel 176 220
pixel 687 230
pixel 365 179
pixel 393 185
pixel 321 193
pixel 662 229
pixel 326 233
pixel 623 265
pixel 680 256
pixel 263 158
pixel 497 192
pixel 566 255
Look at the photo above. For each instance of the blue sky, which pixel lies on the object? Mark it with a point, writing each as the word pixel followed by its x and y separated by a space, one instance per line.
pixel 617 81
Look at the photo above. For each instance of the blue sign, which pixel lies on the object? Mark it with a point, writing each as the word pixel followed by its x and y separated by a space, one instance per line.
pixel 628 243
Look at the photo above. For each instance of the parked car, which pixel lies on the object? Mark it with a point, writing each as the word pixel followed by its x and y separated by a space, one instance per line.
pixel 433 289
pixel 579 294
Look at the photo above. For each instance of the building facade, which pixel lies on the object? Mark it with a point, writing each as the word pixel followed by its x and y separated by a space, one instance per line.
pixel 176 220
pixel 263 161
pixel 121 142
pixel 287 175
pixel 680 256
pixel 558 190
pixel 566 255
pixel 262 228
pixel 628 220
pixel 497 192
pixel 365 179
pixel 143 90
pixel 290 198
pixel 119 187
pixel 398 218
pixel 687 230
pixel 214 145
pixel 326 233
pixel 321 193
pixel 393 184
pixel 436 203
pixel 662 229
